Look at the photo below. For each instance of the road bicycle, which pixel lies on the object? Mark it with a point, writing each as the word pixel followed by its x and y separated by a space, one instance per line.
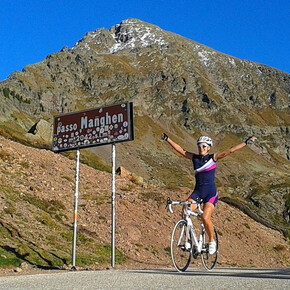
pixel 185 244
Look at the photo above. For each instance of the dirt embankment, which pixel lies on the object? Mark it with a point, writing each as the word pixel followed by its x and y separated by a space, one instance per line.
pixel 36 210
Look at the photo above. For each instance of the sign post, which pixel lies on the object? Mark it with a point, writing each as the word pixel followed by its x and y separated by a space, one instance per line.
pixel 113 205
pixel 76 210
pixel 89 128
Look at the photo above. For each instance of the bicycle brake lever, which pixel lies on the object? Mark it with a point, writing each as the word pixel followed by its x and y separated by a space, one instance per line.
pixel 168 202
pixel 169 205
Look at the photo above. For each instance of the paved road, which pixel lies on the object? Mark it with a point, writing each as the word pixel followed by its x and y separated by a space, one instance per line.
pixel 153 279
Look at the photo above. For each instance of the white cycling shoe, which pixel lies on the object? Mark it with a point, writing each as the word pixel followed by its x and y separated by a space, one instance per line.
pixel 187 245
pixel 211 247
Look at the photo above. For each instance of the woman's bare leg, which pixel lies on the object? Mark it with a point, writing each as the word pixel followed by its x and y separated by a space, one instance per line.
pixel 208 210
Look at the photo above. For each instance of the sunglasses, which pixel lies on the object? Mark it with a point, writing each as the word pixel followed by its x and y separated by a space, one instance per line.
pixel 203 146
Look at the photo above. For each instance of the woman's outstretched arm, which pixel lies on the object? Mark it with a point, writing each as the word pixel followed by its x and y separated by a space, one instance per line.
pixel 220 155
pixel 177 147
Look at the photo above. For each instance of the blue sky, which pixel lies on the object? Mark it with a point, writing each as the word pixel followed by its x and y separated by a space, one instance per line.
pixel 256 30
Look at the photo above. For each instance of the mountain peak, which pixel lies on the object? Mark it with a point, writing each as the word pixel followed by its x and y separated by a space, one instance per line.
pixel 129 34
pixel 132 33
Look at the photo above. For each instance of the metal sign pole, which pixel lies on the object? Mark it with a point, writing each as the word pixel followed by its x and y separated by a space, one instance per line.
pixel 76 210
pixel 113 204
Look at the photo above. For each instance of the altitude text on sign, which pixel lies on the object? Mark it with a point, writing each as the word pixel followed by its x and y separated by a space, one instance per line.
pixel 95 127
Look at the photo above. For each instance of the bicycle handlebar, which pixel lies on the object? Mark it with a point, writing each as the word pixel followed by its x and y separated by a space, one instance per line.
pixel 170 203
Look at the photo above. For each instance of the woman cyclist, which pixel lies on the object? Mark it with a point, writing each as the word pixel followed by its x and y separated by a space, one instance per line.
pixel 204 165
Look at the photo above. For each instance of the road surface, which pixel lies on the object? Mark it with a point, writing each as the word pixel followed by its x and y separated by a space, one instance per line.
pixel 221 278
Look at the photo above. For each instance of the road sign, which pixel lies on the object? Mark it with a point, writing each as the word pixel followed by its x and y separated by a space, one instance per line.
pixel 94 127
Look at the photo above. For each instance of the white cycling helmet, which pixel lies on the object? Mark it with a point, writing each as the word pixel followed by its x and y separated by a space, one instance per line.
pixel 205 139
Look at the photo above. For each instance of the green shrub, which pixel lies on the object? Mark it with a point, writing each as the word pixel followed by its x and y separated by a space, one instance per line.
pixel 6 92
pixel 8 258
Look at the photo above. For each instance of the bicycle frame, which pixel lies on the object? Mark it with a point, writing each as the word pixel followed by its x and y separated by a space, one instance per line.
pixel 190 228
pixel 188 242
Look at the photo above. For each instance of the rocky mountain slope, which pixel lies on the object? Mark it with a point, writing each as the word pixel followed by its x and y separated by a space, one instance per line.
pixel 36 215
pixel 177 86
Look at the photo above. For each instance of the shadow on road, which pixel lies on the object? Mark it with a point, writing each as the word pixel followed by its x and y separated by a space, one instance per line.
pixel 283 273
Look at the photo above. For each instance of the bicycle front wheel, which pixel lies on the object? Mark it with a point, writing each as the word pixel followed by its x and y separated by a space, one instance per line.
pixel 181 257
pixel 209 261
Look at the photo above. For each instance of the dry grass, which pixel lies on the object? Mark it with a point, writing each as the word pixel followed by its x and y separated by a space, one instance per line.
pixel 5 155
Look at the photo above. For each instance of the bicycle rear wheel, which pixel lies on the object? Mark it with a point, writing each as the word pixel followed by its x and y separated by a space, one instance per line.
pixel 209 261
pixel 181 257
